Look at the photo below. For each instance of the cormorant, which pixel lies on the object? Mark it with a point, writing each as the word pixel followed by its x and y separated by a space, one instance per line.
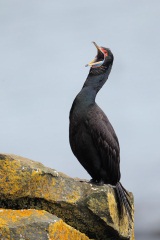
pixel 92 137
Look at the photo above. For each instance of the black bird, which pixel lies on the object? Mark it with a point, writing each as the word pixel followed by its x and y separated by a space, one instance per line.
pixel 92 137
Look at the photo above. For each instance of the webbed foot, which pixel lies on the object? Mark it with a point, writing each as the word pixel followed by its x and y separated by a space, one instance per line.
pixel 93 181
pixel 99 183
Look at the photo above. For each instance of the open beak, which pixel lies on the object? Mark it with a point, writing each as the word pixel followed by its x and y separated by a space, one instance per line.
pixel 95 44
pixel 95 62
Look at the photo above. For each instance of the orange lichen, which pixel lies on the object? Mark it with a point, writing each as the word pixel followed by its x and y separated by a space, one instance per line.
pixel 31 184
pixel 118 223
pixel 61 231
pixel 23 180
pixel 112 205
pixel 57 229
pixel 12 216
pixel 73 196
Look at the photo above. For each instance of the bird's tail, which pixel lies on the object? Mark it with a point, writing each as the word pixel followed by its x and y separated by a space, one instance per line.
pixel 123 202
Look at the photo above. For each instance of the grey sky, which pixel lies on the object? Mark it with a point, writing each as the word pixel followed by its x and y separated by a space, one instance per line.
pixel 44 46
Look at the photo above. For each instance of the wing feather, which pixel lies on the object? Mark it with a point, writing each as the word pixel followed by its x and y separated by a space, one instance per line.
pixel 106 143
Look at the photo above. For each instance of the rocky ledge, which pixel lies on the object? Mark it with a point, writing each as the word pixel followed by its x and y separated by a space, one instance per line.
pixel 38 200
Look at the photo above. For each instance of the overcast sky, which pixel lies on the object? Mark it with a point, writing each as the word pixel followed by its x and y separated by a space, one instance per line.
pixel 44 46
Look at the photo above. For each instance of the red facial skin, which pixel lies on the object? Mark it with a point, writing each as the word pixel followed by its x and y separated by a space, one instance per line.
pixel 104 51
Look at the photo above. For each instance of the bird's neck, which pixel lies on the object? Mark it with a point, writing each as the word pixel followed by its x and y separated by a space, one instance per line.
pixel 92 85
pixel 97 77
pixel 87 95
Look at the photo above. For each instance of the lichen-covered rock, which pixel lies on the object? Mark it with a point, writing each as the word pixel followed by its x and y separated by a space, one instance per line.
pixel 89 208
pixel 35 225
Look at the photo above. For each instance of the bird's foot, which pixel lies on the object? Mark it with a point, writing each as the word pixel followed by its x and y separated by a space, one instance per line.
pixel 99 183
pixel 93 181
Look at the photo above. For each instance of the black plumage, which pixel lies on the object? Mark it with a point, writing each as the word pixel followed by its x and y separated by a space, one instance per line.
pixel 92 137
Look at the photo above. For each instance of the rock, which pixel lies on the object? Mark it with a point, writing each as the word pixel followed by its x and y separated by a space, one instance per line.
pixel 89 208
pixel 35 225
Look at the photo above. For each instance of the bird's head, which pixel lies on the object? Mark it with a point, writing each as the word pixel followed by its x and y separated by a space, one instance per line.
pixel 102 60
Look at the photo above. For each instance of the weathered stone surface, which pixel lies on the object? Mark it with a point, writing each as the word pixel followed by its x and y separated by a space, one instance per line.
pixel 89 208
pixel 35 225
